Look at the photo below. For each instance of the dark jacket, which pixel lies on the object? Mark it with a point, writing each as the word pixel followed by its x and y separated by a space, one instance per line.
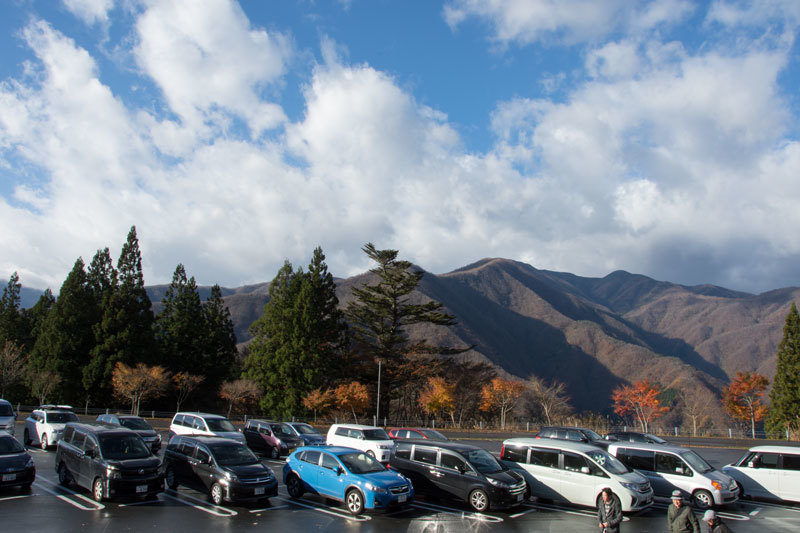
pixel 682 520
pixel 719 526
pixel 613 517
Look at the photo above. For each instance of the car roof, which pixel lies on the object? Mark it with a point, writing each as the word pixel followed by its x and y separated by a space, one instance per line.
pixel 446 445
pixel 335 450
pixel 49 408
pixel 208 439
pixel 648 446
pixel 552 444
pixel 414 429
pixel 262 421
pixel 201 415
pixel 568 427
pixel 104 429
pixel 354 426
pixel 776 449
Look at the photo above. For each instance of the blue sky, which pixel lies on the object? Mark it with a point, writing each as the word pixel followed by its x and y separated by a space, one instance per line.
pixel 657 137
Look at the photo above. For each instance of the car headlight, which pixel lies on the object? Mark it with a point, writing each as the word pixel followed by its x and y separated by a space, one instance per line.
pixel 113 472
pixel 717 485
pixel 499 484
pixel 373 488
pixel 631 486
pixel 30 463
pixel 230 476
pixel 279 442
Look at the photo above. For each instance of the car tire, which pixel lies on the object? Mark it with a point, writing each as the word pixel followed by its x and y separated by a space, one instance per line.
pixel 702 499
pixel 479 500
pixel 216 494
pixel 64 477
pixel 170 480
pixel 354 502
pixel 294 486
pixel 274 453
pixel 97 490
pixel 43 442
pixel 26 437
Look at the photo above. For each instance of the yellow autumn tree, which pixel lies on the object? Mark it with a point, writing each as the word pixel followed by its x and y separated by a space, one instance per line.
pixel 501 396
pixel 352 396
pixel 438 396
pixel 139 383
pixel 319 401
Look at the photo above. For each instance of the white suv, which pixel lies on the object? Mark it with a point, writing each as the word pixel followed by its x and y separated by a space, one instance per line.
pixel 204 424
pixel 370 439
pixel 7 417
pixel 45 425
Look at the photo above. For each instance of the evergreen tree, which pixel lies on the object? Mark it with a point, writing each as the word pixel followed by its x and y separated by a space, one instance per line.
pixel 180 327
pixel 12 321
pixel 36 315
pixel 220 340
pixel 65 337
pixel 382 311
pixel 785 395
pixel 101 280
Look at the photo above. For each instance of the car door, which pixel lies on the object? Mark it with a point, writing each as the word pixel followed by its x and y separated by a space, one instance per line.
pixel 766 473
pixel 72 455
pixel 180 463
pixel 88 461
pixel 329 481
pixel 577 482
pixel 251 435
pixel 426 460
pixel 456 474
pixel 790 477
pixel 544 467
pixel 672 473
pixel 307 468
pixel 203 467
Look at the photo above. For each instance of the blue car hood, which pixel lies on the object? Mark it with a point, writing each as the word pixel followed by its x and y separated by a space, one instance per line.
pixel 385 479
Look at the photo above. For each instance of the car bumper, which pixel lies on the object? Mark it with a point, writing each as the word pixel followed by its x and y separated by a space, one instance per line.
pixel 251 491
pixel 636 501
pixel 18 477
pixel 133 487
pixel 725 497
pixel 8 429
pixel 503 499
pixel 389 500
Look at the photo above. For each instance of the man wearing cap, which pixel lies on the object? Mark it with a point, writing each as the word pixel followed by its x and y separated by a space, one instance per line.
pixel 680 517
pixel 715 524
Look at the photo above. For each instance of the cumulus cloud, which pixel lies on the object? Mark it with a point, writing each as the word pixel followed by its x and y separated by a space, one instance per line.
pixel 90 11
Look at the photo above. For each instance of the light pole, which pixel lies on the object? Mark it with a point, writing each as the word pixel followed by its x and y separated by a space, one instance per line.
pixel 378 403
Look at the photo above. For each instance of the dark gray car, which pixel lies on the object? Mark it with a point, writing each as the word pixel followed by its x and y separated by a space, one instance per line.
pixel 135 423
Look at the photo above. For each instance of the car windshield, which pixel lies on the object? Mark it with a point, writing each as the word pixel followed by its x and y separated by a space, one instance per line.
pixel 696 462
pixel 60 418
pixel 361 463
pixel 281 431
pixel 233 455
pixel 9 445
pixel 608 462
pixel 134 423
pixel 433 434
pixel 305 429
pixel 483 461
pixel 592 435
pixel 219 424
pixel 375 434
pixel 657 440
pixel 118 448
pixel 6 410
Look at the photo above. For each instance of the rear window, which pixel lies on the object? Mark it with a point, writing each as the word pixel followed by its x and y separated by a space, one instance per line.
pixel 134 423
pixel 548 458
pixel 637 459
pixel 342 432
pixel 425 455
pixel 791 462
pixel 60 418
pixel 517 454
pixel 403 450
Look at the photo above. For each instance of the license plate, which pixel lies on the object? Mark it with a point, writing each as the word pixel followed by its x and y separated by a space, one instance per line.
pixel 402 498
pixel 9 477
pixel 141 488
pixel 519 497
pixel 259 491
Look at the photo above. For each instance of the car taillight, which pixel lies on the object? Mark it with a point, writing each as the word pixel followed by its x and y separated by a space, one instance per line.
pixel 503 451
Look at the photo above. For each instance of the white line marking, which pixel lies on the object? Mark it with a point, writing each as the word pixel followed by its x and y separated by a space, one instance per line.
pixel 755 511
pixel 567 510
pixel 269 509
pixel 97 506
pixel 203 506
pixel 144 502
pixel 458 512
pixel 313 506
pixel 16 497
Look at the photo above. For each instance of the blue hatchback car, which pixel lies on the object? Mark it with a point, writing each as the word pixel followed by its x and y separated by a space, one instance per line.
pixel 347 475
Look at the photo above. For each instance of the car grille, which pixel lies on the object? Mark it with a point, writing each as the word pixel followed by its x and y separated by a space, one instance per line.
pixel 519 488
pixel 400 489
pixel 644 487
pixel 254 480
pixel 143 473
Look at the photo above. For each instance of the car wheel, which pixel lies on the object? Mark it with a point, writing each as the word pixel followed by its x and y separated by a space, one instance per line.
pixel 64 476
pixel 216 494
pixel 354 501
pixel 478 500
pixel 294 486
pixel 97 490
pixel 274 453
pixel 26 438
pixel 703 499
pixel 44 442
pixel 170 480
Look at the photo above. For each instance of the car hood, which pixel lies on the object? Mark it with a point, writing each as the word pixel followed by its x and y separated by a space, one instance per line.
pixel 634 477
pixel 507 476
pixel 13 461
pixel 133 464
pixel 385 478
pixel 5 420
pixel 722 477
pixel 255 469
pixel 292 442
pixel 313 438
pixel 146 433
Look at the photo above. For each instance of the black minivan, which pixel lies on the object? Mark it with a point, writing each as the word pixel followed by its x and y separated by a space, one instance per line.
pixel 465 472
pixel 109 461
pixel 225 469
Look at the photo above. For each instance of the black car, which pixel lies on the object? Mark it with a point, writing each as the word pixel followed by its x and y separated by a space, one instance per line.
pixel 16 465
pixel 137 424
pixel 574 434
pixel 465 472
pixel 226 469
pixel 110 461
pixel 274 439
pixel 634 436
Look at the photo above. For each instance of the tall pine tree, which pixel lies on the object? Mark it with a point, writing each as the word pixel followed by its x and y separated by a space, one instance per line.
pixel 13 325
pixel 180 326
pixel 784 398
pixel 220 340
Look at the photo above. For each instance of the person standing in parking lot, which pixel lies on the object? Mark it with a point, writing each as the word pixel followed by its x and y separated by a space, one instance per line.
pixel 609 512
pixel 680 517
pixel 715 523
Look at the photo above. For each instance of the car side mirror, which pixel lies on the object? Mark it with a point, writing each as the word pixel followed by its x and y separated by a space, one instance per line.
pixel 339 471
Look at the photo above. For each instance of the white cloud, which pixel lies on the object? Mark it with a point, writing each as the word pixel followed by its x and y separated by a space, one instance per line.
pixel 90 11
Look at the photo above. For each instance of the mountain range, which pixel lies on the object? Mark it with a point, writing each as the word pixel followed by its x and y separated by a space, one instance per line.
pixel 591 333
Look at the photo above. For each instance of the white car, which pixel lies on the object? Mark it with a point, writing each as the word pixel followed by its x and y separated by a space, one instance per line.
pixel 7 417
pixel 771 472
pixel 194 424
pixel 373 440
pixel 45 425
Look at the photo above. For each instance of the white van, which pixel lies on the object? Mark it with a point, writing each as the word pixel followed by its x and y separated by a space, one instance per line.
pixel 199 424
pixel 576 473
pixel 370 439
pixel 771 472
pixel 672 468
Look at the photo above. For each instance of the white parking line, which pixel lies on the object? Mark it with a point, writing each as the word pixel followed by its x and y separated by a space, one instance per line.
pixel 327 510
pixel 269 509
pixel 458 512
pixel 758 505
pixel 95 505
pixel 144 502
pixel 200 505
pixel 755 511
pixel 16 497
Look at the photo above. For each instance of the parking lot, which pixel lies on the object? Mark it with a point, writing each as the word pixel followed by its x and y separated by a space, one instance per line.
pixel 50 507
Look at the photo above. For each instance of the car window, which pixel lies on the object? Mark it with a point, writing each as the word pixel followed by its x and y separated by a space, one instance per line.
pixel 791 462
pixel 361 463
pixel 573 463
pixel 342 432
pixel 202 455
pixel 328 461
pixel 454 462
pixel 696 462
pixel 178 421
pixel 403 450
pixel 548 458
pixel 61 418
pixel 518 454
pixel 310 456
pixel 355 434
pixel 669 464
pixel 375 434
pixel 637 459
pixel 305 429
pixel 433 434
pixel 574 435
pixel 264 430
pixel 233 455
pixel 483 461
pixel 425 455
pixel 197 423
pixel 134 423
pixel 281 430
pixel 78 439
pixel 219 424
pixel 69 432
pixel 186 448
pixel 9 445
pixel 607 461
pixel 767 460
pixel 118 448
pixel 90 445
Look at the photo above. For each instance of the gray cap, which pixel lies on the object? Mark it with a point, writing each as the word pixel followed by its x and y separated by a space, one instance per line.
pixel 710 515
pixel 677 495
